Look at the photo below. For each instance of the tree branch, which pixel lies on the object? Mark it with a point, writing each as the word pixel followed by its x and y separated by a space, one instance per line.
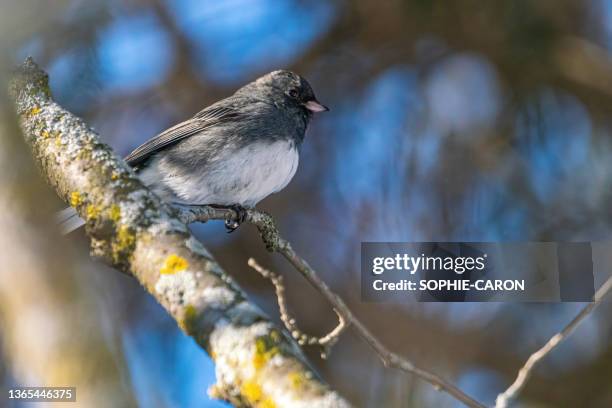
pixel 132 230
pixel 325 342
pixel 275 243
pixel 524 373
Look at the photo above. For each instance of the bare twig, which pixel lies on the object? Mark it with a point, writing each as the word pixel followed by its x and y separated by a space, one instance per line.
pixel 325 342
pixel 524 373
pixel 275 243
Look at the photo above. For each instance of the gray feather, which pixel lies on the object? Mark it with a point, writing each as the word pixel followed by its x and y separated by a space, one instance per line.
pixel 204 119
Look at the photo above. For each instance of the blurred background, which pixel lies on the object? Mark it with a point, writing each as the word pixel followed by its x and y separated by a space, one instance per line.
pixel 450 120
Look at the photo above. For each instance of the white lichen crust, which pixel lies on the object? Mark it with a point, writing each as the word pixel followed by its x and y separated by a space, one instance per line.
pixel 252 362
pixel 130 228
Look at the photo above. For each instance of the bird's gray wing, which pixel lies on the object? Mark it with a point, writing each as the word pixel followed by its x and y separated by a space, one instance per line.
pixel 211 116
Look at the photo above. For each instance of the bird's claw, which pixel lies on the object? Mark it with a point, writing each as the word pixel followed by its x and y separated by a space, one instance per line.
pixel 233 222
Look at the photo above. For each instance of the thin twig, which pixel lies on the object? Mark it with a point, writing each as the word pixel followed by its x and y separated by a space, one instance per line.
pixel 524 373
pixel 275 243
pixel 325 342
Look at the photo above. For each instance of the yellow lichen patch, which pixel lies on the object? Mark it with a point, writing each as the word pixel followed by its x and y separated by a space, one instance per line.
pixel 251 391
pixel 297 379
pixel 125 238
pixel 189 316
pixel 92 212
pixel 265 349
pixel 190 312
pixel 54 133
pixel 173 264
pixel 115 213
pixel 267 403
pixel 259 360
pixel 124 241
pixel 76 199
pixel 275 335
pixel 260 345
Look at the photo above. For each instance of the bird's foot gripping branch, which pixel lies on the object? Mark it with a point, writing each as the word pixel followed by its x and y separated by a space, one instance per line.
pixel 256 363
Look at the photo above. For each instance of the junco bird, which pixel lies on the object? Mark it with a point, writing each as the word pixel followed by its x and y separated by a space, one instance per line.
pixel 233 153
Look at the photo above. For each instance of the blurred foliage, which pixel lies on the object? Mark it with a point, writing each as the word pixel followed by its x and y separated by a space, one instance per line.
pixel 451 120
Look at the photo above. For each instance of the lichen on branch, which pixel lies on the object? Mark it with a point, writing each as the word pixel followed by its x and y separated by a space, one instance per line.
pixel 257 365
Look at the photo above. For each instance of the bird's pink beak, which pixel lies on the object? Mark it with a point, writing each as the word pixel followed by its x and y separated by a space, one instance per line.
pixel 315 106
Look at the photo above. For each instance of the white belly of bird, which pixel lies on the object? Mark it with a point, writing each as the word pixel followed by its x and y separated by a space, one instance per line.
pixel 245 176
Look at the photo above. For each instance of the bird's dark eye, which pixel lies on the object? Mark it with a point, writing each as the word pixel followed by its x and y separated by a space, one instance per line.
pixel 293 93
